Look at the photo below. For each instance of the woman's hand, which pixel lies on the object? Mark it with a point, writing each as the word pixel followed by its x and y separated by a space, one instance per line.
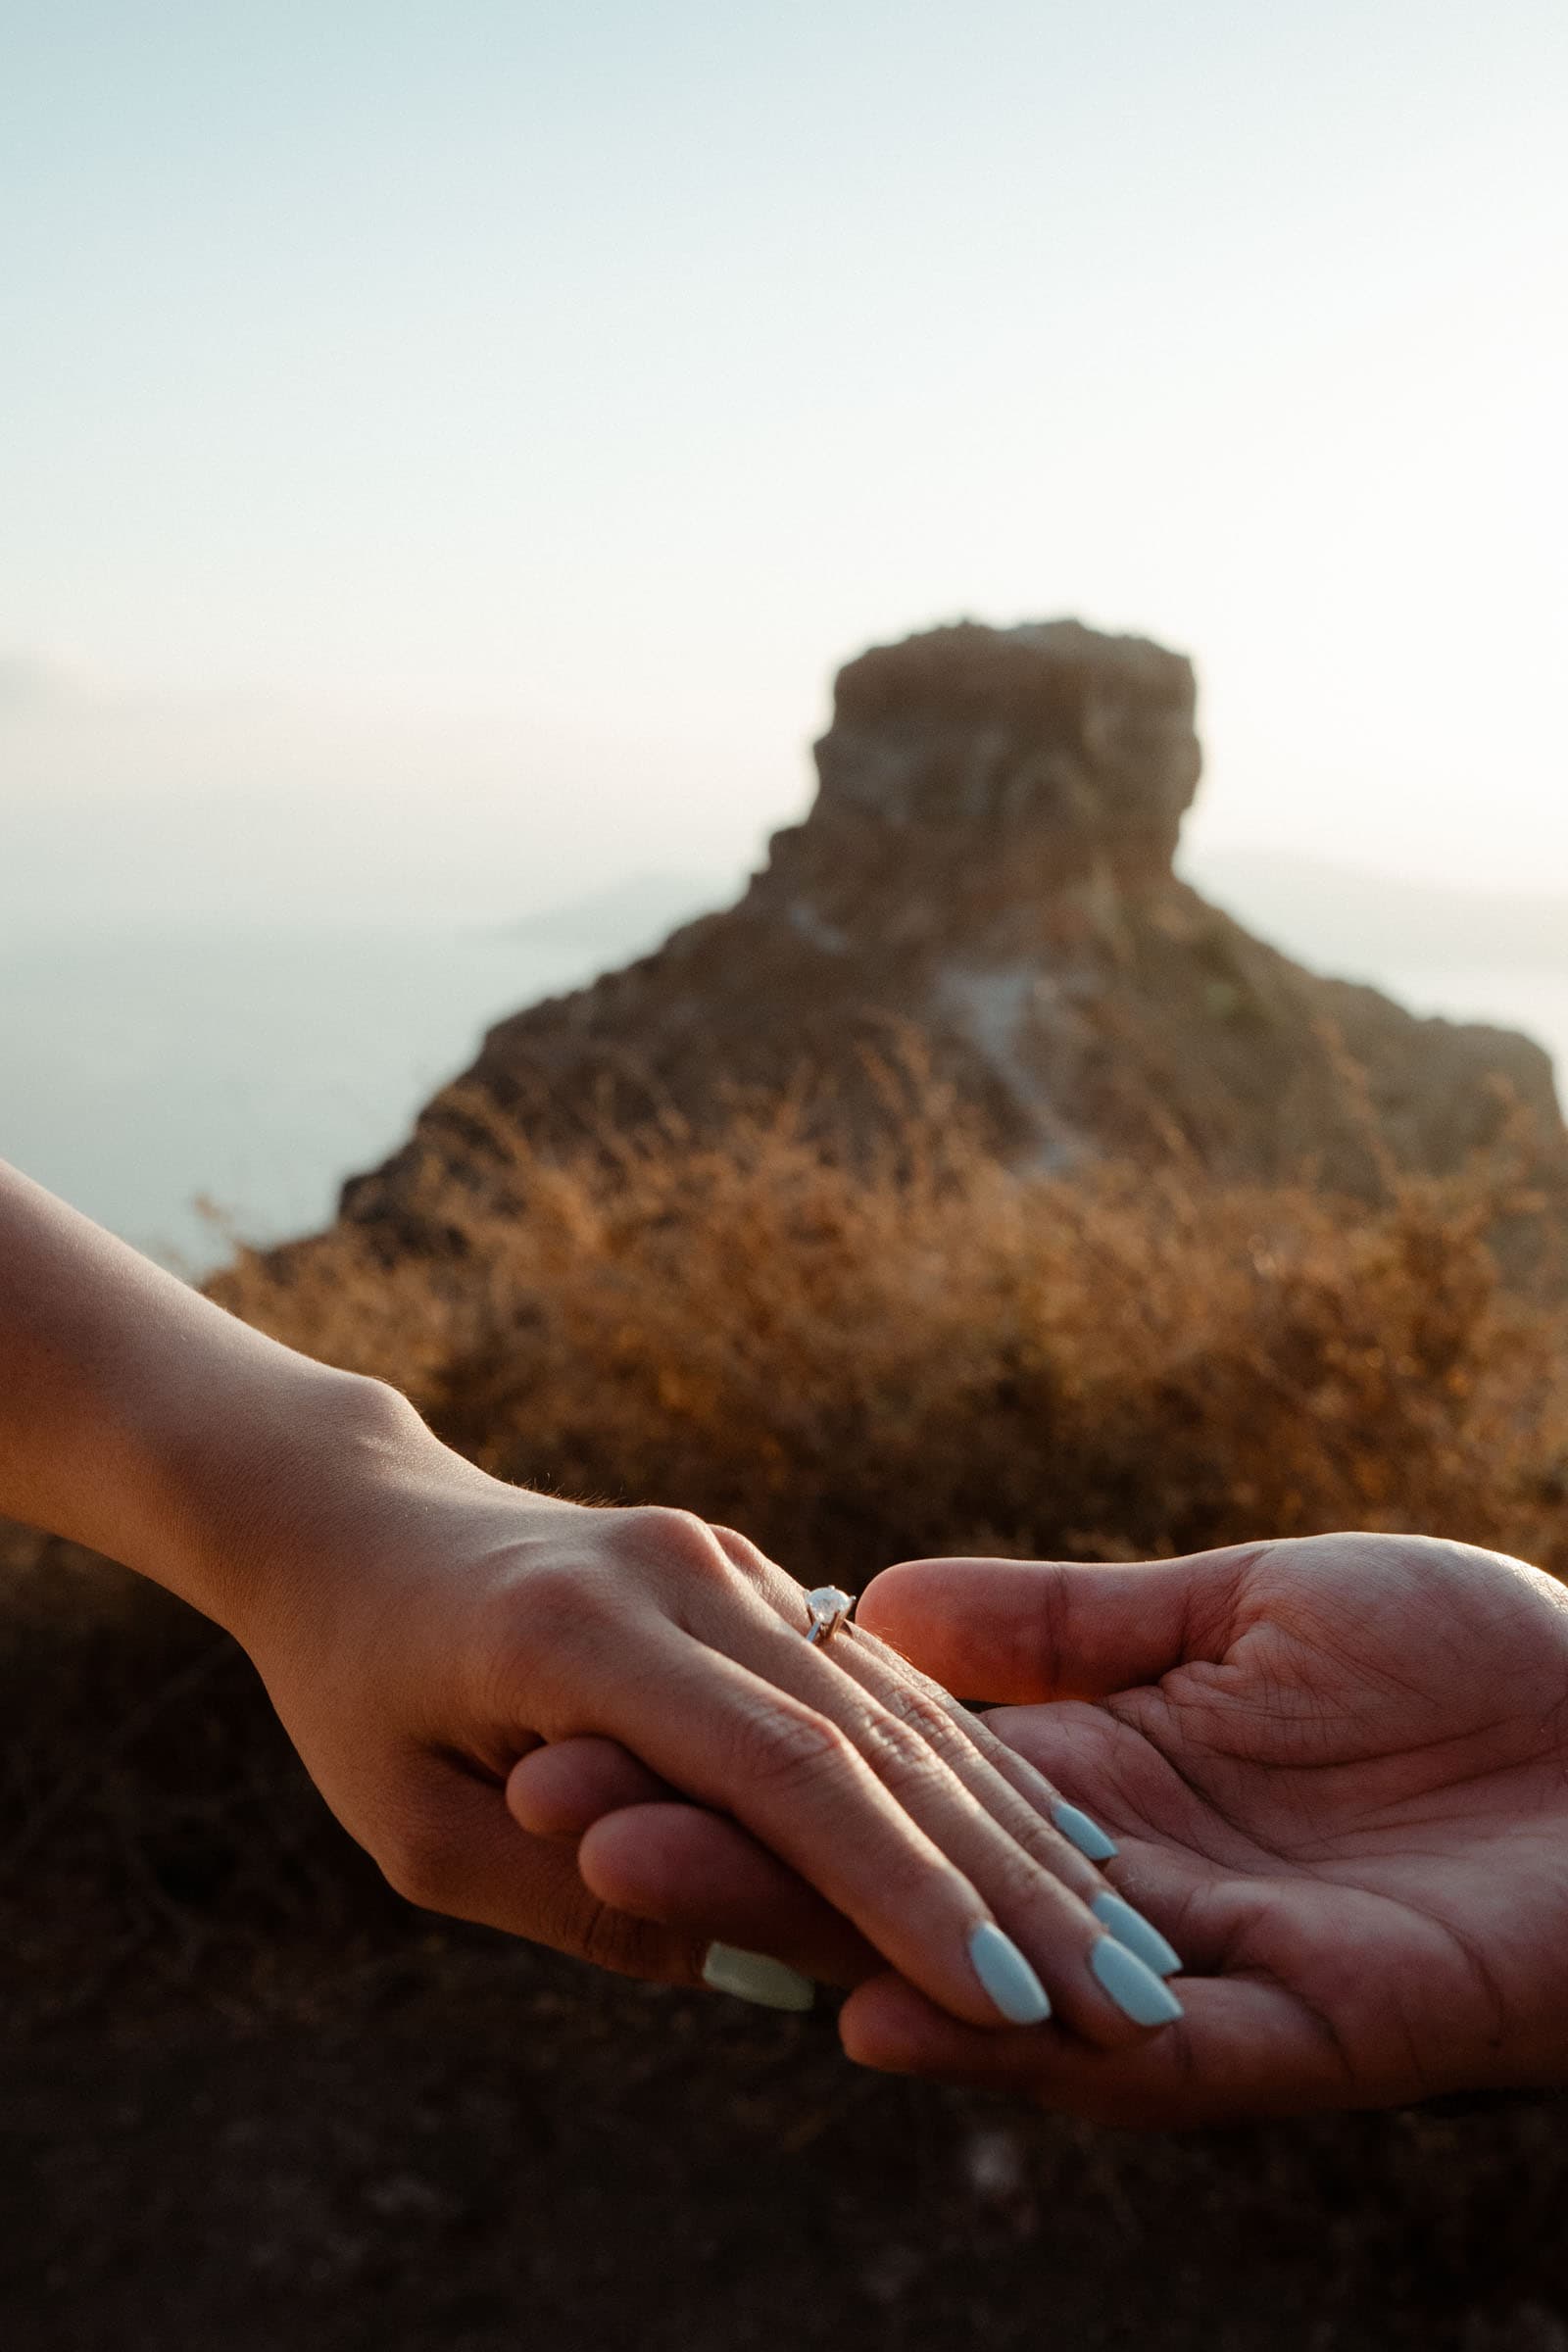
pixel 1337 1771
pixel 424 1630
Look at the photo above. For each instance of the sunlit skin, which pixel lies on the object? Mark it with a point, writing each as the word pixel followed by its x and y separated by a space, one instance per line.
pixel 1337 1770
pixel 422 1628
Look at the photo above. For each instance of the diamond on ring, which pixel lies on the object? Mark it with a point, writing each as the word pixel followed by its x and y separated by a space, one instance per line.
pixel 828 1609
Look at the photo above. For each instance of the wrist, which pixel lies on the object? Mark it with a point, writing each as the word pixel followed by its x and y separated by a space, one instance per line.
pixel 255 1500
pixel 351 1515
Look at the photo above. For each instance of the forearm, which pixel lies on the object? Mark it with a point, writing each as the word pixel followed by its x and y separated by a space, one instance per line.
pixel 138 1418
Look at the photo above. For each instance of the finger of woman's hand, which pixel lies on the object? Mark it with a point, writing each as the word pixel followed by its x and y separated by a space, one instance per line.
pixel 886 1673
pixel 1103 1968
pixel 742 1746
pixel 562 1787
pixel 704 1879
pixel 1246 2047
pixel 1076 1846
pixel 565 1788
pixel 560 1790
pixel 835 1783
pixel 658 1858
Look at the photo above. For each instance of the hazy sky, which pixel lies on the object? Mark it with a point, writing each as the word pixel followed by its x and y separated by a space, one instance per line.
pixel 445 449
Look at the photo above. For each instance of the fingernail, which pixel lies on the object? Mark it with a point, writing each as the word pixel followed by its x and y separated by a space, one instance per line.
pixel 1136 1989
pixel 752 1977
pixel 1131 1927
pixel 1079 1830
pixel 1007 1975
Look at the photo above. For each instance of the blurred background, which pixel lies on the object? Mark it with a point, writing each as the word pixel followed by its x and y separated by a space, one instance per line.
pixel 445 455
pixel 448 451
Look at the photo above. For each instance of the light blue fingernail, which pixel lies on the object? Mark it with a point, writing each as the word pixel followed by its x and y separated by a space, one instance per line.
pixel 1007 1975
pixel 752 1977
pixel 1131 1927
pixel 1079 1830
pixel 1136 1989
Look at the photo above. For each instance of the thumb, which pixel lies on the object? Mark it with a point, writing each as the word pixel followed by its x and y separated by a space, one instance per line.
pixel 1010 1632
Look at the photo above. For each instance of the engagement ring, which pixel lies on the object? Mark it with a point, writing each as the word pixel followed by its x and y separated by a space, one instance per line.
pixel 828 1609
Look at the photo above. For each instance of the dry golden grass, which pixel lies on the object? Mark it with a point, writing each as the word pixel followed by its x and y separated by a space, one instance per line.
pixel 925 1352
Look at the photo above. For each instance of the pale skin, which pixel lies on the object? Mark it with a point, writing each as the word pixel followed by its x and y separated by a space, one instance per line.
pixel 424 1631
pixel 1336 1772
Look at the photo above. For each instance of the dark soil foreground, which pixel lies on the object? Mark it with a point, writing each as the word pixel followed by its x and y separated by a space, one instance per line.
pixel 520 2155
pixel 247 2101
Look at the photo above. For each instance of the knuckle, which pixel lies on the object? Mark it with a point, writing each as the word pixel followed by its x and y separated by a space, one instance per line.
pixel 677 1538
pixel 738 1548
pixel 899 1754
pixel 750 1565
pixel 927 1717
pixel 791 1748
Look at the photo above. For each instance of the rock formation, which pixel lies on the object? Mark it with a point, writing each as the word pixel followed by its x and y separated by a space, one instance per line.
pixel 987 864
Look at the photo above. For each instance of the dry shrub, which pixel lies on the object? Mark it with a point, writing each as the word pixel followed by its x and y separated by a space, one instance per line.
pixel 926 1352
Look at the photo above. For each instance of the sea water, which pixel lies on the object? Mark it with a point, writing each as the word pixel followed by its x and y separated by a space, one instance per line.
pixel 140 1074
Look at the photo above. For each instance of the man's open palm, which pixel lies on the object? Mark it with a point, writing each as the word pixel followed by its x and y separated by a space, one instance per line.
pixel 1336 1772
